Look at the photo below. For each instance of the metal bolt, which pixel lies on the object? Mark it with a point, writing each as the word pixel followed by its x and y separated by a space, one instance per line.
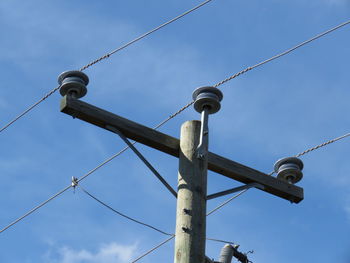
pixel 187 211
pixel 207 97
pixel 289 169
pixel 185 229
pixel 73 83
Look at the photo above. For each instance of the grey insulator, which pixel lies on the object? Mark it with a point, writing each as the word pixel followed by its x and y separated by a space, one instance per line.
pixel 73 83
pixel 209 97
pixel 289 169
pixel 226 254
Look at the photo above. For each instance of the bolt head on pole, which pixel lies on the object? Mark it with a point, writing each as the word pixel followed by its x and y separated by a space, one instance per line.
pixel 289 169
pixel 208 97
pixel 73 82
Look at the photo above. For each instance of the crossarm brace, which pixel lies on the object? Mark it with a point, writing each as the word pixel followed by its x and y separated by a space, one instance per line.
pixel 143 159
pixel 234 190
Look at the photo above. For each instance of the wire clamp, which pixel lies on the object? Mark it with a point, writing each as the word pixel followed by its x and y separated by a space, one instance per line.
pixel 74 182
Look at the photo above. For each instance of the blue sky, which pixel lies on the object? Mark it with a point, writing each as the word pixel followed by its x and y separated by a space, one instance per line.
pixel 277 110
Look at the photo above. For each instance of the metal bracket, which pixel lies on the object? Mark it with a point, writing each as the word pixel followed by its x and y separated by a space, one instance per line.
pixel 234 190
pixel 132 147
pixel 202 149
pixel 74 183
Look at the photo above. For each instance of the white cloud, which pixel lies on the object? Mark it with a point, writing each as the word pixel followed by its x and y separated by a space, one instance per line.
pixel 107 253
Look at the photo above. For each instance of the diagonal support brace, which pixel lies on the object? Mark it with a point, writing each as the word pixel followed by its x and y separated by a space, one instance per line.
pixel 133 148
pixel 234 190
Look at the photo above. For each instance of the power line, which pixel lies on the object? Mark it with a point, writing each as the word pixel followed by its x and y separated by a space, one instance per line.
pixel 35 208
pixel 166 241
pixel 283 53
pixel 211 239
pixel 174 115
pixel 269 60
pixel 144 35
pixel 29 109
pixel 152 249
pixel 157 28
pixel 227 201
pixel 220 241
pixel 105 57
pixel 63 190
pixel 318 146
pixel 322 145
pixel 123 215
pixel 86 175
pixel 137 221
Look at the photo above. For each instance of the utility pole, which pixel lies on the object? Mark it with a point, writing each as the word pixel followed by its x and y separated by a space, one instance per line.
pixel 191 198
pixel 194 161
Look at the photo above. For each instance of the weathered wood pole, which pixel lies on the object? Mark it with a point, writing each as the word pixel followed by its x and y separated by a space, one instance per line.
pixel 191 199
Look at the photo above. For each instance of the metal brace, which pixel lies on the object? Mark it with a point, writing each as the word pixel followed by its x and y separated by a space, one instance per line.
pixel 132 147
pixel 234 190
pixel 202 149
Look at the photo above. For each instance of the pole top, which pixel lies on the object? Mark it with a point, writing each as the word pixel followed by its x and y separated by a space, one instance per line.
pixel 207 97
pixel 73 82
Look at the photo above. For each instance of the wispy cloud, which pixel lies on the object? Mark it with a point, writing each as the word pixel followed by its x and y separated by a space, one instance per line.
pixel 347 208
pixel 107 253
pixel 337 2
pixel 3 104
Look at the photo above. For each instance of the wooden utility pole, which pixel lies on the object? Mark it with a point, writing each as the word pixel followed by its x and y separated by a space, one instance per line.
pixel 194 161
pixel 191 198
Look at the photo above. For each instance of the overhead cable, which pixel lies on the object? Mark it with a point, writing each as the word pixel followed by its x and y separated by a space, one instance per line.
pixel 215 85
pixel 167 240
pixel 211 239
pixel 137 221
pixel 266 61
pixel 144 35
pixel 29 109
pixel 283 53
pixel 105 57
pixel 220 241
pixel 227 201
pixel 121 214
pixel 177 113
pixel 86 175
pixel 322 145
pixel 63 190
pixel 152 249
pixel 318 146
pixel 35 208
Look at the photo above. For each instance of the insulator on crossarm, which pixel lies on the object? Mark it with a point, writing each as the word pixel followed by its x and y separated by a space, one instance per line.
pixel 207 97
pixel 289 169
pixel 73 83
